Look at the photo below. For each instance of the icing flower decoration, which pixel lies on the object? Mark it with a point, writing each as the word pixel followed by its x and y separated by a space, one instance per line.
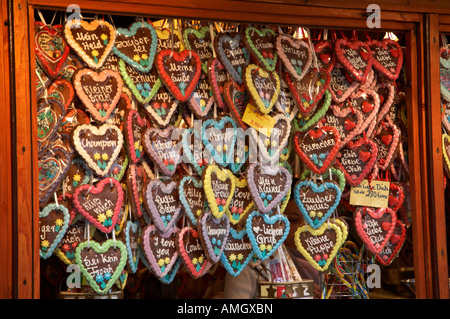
pixel 161 262
pixel 96 156
pixel 99 278
pixel 136 57
pixel 45 244
pixel 240 256
pixel 101 218
pixel 109 213
pixel 144 56
pixel 262 247
pixel 232 257
pixel 105 156
pixel 76 177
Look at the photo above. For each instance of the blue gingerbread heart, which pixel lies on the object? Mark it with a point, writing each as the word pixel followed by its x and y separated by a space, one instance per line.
pixel 219 140
pixel 135 228
pixel 232 258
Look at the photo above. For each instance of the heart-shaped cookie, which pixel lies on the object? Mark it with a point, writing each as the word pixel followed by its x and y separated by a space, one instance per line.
pixel 200 40
pixel 98 146
pixel 393 246
pixel 217 77
pixel 356 159
pixel 387 57
pixel 286 103
pixel 295 54
pixel 333 174
pixel 263 87
pixel 50 47
pixel 302 123
pixel 99 92
pixel 316 202
pixel 444 75
pixel 341 85
pixel 41 81
pixel 368 102
pixel 355 56
pixel 162 107
pixel 232 52
pixel 241 152
pixel 191 252
pixel 100 204
pixel 319 246
pixel 261 45
pixel 219 138
pixel 396 196
pixel 101 263
pixel 194 152
pixel 218 184
pixel 317 147
pixel 78 174
pixel 117 116
pixel 387 138
pixel 135 179
pixel 92 41
pixel 162 149
pixel 180 72
pixel 192 197
pixel 325 57
pixel 374 226
pixel 268 185
pixel 135 125
pixel 386 92
pixel 238 252
pixel 136 45
pixel 201 99
pixel 53 223
pixel 213 233
pixel 50 113
pixel 236 97
pixel 309 90
pixel 162 201
pixel 72 119
pixel 131 237
pixel 168 39
pixel 241 203
pixel 63 90
pixel 266 233
pixel 160 250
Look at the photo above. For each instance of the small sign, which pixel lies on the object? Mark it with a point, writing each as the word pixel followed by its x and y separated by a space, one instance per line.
pixel 262 123
pixel 374 195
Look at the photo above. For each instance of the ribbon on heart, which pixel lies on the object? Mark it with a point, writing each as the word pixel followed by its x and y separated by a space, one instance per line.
pixel 218 184
pixel 180 72
pixel 266 232
pixel 316 202
pixel 295 54
pixel 136 45
pixel 50 47
pixel 238 252
pixel 393 246
pixel 53 223
pixel 375 226
pixel 319 246
pixel 192 197
pixel 213 233
pixel 162 201
pixel 92 41
pixel 110 258
pixel 268 185
pixel 160 250
pixel 100 204
pixel 317 147
pixel 191 252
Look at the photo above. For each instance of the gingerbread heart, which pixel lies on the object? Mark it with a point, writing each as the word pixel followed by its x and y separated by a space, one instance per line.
pixel 160 250
pixel 268 185
pixel 325 57
pixel 99 92
pixel 396 196
pixel 319 246
pixel 201 99
pixel 63 90
pixel 117 116
pixel 162 201
pixel 393 246
pixel 387 138
pixel 355 56
pixel 375 226
pixel 192 197
pixel 136 45
pixel 316 202
pixel 368 102
pixel 213 233
pixel 302 123
pixel 232 52
pixel 119 165
pixel 318 147
pixel 241 203
pixel 50 113
pixel 101 263
pixel 386 92
pixel 53 223
pixel 50 47
pixel 309 90
pixel 193 151
pixel 191 252
pixel 92 41
pixel 217 77
pixel 78 174
pixel 75 234
pixel 162 107
pixel 201 42
pixel 356 159
pixel 143 85
pixel 135 125
pixel 341 85
pixel 72 64
pixel 261 45
pixel 72 119
pixel 286 103
pixel 162 149
pixel 218 184
pixel 241 152
pixel 219 138
pixel 98 146
pixel 295 54
pixel 180 72
pixel 236 97
pixel 387 57
pixel 263 87
pixel 100 204
pixel 444 75
pixel 168 39
pixel 131 237
pixel 238 252
pixel 266 233
pixel 41 80
pixel 334 174
pixel 135 180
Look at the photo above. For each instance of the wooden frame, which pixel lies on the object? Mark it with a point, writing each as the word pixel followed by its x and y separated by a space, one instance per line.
pixel 25 242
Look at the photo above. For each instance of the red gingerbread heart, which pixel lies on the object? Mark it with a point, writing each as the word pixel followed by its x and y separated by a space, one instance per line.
pixel 327 59
pixel 387 57
pixel 393 246
pixel 355 56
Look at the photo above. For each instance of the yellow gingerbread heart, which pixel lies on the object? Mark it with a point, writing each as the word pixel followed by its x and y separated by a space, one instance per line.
pixel 219 185
pixel 241 202
pixel 264 87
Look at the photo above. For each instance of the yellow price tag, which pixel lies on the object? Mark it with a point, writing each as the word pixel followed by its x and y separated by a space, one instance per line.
pixel 260 122
pixel 375 195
